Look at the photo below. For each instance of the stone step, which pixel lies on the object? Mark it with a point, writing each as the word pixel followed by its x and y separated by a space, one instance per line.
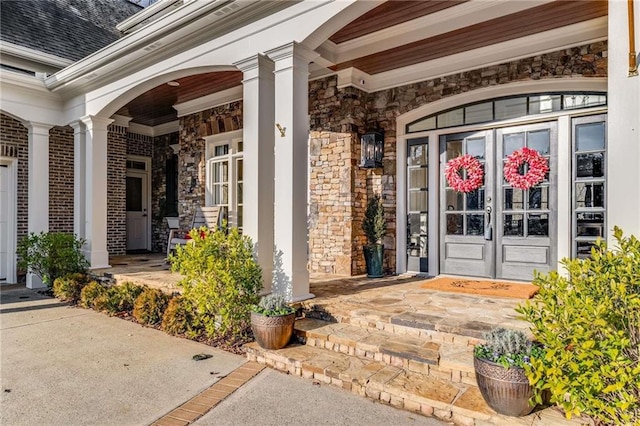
pixel 459 403
pixel 414 353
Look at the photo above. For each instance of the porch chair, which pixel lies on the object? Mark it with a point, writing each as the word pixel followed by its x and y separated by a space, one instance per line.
pixel 204 216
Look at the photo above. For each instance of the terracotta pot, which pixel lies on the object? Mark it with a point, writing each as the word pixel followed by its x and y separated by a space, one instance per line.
pixel 272 332
pixel 506 390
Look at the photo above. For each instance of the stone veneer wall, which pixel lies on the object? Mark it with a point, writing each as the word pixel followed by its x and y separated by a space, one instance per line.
pixel 61 178
pixel 349 109
pixel 161 153
pixel 14 142
pixel 192 163
pixel 116 190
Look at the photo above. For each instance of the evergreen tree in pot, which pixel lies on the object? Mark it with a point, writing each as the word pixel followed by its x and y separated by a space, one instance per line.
pixel 374 228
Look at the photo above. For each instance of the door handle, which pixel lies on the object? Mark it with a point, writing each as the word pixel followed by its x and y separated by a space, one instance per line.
pixel 144 215
pixel 488 229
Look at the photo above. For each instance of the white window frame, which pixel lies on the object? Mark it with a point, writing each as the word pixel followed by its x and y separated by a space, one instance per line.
pixel 233 140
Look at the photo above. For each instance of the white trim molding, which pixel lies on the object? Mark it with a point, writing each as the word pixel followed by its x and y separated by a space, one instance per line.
pixel 159 130
pixel 210 101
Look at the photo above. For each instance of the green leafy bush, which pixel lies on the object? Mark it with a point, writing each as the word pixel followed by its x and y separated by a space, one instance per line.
pixel 150 306
pixel 68 288
pixel 589 324
pixel 273 305
pixel 51 255
pixel 178 318
pixel 93 295
pixel 221 281
pixel 509 348
pixel 373 223
pixel 121 298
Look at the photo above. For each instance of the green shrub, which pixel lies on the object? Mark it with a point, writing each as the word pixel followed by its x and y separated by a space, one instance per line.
pixel 51 255
pixel 221 280
pixel 149 306
pixel 178 318
pixel 373 224
pixel 92 293
pixel 589 324
pixel 68 288
pixel 122 297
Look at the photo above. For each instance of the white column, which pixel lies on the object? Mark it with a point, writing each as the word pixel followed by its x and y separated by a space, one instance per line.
pixel 623 125
pixel 79 170
pixel 258 139
pixel 38 197
pixel 96 191
pixel 291 276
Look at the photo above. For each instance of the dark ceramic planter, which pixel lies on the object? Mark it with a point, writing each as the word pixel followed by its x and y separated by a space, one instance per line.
pixel 272 332
pixel 506 390
pixel 374 257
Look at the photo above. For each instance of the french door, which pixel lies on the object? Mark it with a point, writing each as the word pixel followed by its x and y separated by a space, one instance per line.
pixel 498 231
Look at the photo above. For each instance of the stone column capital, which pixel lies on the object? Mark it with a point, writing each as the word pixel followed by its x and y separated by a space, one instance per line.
pixel 96 122
pixel 254 64
pixel 290 55
pixel 38 128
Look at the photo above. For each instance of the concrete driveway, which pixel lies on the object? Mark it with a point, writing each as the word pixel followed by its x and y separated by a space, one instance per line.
pixel 70 366
pixel 65 366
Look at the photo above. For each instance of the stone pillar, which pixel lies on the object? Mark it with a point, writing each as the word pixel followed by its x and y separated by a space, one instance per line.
pixel 79 171
pixel 258 140
pixel 38 195
pixel 96 191
pixel 291 276
pixel 623 127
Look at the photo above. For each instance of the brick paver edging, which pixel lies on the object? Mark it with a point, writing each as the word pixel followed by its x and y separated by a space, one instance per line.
pixel 198 406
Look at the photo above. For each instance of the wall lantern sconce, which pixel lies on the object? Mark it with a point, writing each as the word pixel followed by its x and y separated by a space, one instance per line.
pixel 372 146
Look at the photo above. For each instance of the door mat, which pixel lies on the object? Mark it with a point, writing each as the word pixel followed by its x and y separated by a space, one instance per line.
pixel 481 287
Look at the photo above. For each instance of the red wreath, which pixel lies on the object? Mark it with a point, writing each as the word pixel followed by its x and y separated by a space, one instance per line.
pixel 474 170
pixel 538 168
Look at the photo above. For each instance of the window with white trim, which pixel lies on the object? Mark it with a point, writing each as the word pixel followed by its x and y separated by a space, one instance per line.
pixel 224 175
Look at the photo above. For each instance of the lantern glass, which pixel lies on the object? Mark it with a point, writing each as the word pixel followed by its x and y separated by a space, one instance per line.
pixel 372 149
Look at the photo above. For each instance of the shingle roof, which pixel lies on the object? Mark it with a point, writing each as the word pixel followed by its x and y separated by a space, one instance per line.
pixel 71 29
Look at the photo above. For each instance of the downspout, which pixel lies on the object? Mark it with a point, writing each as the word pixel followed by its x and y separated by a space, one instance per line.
pixel 633 62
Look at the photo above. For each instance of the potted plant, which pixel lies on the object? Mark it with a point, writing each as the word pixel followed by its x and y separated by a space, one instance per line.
pixel 272 322
pixel 500 373
pixel 374 228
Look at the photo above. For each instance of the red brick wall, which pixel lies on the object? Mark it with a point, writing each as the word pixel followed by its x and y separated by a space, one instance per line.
pixel 116 190
pixel 14 135
pixel 61 177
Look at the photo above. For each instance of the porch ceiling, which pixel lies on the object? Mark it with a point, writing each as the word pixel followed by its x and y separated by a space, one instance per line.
pixel 400 34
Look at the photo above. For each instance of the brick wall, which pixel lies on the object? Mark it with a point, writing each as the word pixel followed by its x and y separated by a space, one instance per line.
pixel 191 165
pixel 116 190
pixel 141 145
pixel 61 179
pixel 351 110
pixel 14 139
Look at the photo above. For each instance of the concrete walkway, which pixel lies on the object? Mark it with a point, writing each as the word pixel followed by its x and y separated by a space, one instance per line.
pixel 61 365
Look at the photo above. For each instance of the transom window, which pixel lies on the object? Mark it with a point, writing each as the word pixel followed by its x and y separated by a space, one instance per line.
pixel 225 175
pixel 507 108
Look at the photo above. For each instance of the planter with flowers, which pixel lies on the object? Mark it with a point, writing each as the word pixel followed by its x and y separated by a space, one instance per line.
pixel 500 370
pixel 272 322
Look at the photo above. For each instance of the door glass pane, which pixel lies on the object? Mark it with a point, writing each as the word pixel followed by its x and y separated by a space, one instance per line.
pixel 478 113
pixel 583 101
pixel 455 224
pixel 512 142
pixel 418 178
pixel 513 199
pixel 475 147
pixel 454 200
pixel 417 223
pixel 538 224
pixel 583 249
pixel 418 155
pixel 590 224
pixel 513 225
pixel 590 165
pixel 451 118
pixel 544 103
pixel 539 141
pixel 589 194
pixel 221 150
pixel 454 149
pixel 475 200
pixel 510 108
pixel 419 126
pixel 134 194
pixel 417 201
pixel 539 197
pixel 475 224
pixel 590 137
